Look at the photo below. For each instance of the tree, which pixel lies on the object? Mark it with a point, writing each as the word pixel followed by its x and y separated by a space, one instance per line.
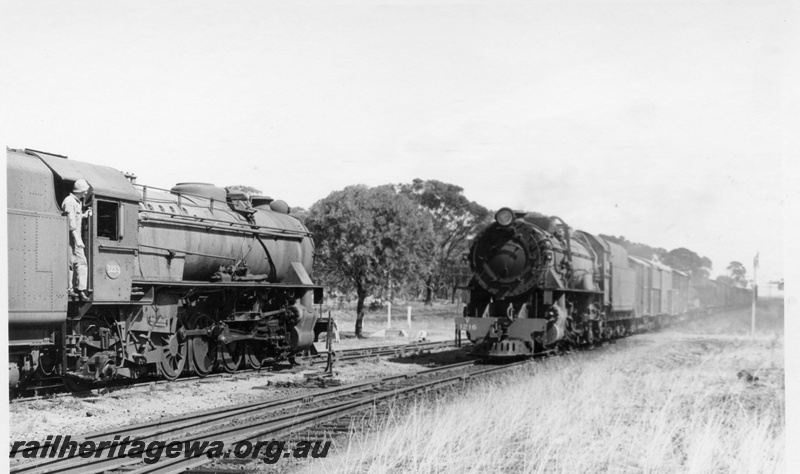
pixel 245 189
pixel 300 214
pixel 366 237
pixel 737 273
pixel 686 260
pixel 455 220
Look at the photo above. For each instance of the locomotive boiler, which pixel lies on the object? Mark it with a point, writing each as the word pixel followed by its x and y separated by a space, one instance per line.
pixel 537 285
pixel 192 279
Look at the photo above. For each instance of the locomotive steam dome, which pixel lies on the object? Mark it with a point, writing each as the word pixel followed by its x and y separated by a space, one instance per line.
pixel 506 259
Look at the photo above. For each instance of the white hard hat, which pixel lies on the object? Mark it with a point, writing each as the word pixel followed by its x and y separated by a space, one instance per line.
pixel 81 186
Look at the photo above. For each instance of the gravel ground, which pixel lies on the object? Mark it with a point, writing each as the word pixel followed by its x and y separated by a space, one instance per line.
pixel 65 415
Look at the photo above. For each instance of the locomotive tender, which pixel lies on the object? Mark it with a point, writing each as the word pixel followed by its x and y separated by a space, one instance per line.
pixel 538 285
pixel 196 278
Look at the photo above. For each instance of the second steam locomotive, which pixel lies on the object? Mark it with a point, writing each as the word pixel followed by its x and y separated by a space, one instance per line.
pixel 196 278
pixel 538 285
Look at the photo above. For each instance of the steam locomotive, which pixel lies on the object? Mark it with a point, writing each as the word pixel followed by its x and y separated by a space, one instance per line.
pixel 192 279
pixel 538 285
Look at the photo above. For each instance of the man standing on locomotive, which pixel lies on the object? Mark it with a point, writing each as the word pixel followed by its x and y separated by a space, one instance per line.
pixel 73 206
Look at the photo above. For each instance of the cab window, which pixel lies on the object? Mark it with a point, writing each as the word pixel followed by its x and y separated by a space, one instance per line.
pixel 108 220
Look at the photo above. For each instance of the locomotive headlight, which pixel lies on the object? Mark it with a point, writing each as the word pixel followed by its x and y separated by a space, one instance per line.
pixel 504 216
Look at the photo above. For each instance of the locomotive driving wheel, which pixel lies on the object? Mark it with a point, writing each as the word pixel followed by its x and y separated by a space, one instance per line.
pixel 202 349
pixel 173 355
pixel 255 354
pixel 231 355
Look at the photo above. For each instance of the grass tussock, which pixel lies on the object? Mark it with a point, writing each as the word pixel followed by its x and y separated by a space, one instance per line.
pixel 667 402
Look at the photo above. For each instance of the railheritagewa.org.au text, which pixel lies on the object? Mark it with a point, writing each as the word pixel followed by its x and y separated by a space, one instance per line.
pixel 151 452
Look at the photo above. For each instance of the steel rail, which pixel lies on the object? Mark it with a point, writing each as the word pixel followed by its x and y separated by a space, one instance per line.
pixel 345 355
pixel 294 423
pixel 164 430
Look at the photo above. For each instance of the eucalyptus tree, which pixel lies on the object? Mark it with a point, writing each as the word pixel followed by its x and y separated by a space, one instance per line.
pixel 366 237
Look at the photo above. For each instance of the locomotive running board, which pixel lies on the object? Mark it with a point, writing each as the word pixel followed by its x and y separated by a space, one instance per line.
pixel 226 284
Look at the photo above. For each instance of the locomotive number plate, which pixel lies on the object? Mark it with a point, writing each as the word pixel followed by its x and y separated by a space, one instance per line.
pixel 113 269
pixel 466 325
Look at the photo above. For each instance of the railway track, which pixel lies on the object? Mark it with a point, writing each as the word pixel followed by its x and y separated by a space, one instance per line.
pixel 255 422
pixel 54 388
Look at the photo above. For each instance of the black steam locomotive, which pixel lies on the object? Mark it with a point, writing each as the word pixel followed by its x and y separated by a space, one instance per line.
pixel 538 285
pixel 192 279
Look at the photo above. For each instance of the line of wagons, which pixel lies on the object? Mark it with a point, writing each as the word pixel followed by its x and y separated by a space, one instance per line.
pixel 661 292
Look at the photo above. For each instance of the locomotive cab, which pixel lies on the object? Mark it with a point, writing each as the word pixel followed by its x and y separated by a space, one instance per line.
pixel 110 233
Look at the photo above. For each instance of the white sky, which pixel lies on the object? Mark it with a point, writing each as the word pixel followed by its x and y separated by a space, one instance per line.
pixel 662 121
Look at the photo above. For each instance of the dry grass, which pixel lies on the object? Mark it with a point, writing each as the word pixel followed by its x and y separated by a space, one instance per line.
pixel 665 402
